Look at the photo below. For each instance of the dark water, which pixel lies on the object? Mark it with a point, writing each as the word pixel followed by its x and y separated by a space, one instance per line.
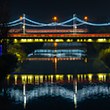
pixel 71 58
pixel 62 92
pixel 61 77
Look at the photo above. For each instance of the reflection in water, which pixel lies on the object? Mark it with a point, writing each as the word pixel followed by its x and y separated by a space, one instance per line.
pixel 75 94
pixel 24 93
pixel 60 50
pixel 68 51
pixel 99 66
pixel 93 86
pixel 36 79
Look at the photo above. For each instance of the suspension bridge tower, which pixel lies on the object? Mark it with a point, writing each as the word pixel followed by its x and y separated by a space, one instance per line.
pixel 23 23
pixel 74 24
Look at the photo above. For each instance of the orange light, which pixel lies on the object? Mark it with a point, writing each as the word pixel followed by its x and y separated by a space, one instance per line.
pixel 21 61
pixel 85 60
pixel 55 44
pixel 85 17
pixel 21 17
pixel 55 18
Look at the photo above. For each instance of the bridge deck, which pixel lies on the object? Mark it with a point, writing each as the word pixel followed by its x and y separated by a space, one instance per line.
pixel 60 35
pixel 26 38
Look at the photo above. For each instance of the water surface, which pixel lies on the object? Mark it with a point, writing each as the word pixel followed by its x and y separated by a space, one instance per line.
pixel 62 92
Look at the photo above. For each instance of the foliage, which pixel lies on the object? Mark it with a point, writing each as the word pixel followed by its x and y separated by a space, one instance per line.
pixel 18 69
pixel 98 66
pixel 16 50
pixel 104 55
pixel 99 46
pixel 103 52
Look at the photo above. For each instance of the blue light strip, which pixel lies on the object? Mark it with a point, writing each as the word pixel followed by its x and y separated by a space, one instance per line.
pixel 15 21
pixel 30 25
pixel 72 25
pixel 37 24
pixel 0 49
pixel 66 21
pixel 92 24
pixel 50 23
pixel 15 24
pixel 34 21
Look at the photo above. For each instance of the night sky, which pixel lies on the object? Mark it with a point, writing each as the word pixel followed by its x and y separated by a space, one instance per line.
pixel 44 10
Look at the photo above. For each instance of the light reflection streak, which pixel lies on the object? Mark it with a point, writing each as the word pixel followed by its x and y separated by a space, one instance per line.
pixel 46 86
pixel 8 77
pixel 24 93
pixel 31 79
pixel 37 79
pixel 15 79
pixel 102 77
pixel 77 96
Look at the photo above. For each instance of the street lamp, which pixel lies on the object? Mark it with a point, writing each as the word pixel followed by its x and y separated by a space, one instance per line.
pixel 55 19
pixel 21 21
pixel 21 17
pixel 86 18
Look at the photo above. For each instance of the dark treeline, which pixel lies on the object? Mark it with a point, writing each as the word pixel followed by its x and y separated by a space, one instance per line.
pixel 8 62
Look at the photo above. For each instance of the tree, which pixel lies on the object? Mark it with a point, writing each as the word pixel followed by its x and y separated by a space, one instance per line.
pixel 4 19
pixel 15 49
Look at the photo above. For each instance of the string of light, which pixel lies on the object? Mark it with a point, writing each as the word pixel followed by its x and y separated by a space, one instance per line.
pixel 15 21
pixel 15 24
pixel 64 24
pixel 92 24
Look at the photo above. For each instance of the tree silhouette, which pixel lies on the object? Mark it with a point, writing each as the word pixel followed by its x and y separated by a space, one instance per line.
pixel 4 19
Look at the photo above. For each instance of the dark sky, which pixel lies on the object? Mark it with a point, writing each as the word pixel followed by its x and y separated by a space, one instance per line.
pixel 44 10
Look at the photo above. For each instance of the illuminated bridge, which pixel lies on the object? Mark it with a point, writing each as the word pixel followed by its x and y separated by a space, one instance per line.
pixel 64 35
pixel 24 38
